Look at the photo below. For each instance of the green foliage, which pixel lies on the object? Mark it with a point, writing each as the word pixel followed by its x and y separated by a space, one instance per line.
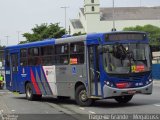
pixel 79 33
pixel 154 32
pixel 2 53
pixel 44 31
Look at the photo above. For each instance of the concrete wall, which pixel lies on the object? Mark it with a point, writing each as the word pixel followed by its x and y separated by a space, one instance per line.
pixel 83 20
pixel 73 30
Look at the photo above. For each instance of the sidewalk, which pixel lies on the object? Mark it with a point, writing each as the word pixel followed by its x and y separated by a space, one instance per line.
pixel 156 83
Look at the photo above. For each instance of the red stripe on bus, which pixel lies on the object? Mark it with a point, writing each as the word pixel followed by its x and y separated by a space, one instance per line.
pixel 35 83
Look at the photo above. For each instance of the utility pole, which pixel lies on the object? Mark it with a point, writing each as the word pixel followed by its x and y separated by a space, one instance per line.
pixel 65 13
pixel 113 29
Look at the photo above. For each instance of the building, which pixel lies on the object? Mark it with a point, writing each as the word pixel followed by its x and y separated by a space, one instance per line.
pixel 92 18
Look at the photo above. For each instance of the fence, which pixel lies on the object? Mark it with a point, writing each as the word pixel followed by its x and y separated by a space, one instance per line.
pixel 156 71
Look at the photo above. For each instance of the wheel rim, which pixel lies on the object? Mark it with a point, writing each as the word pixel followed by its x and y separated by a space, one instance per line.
pixel 29 92
pixel 83 96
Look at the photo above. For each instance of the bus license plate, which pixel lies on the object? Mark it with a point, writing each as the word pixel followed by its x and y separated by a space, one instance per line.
pixel 131 92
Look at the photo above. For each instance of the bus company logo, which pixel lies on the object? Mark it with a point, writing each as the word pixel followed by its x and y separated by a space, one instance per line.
pixel 49 72
pixel 23 71
pixel 62 68
pixel 46 72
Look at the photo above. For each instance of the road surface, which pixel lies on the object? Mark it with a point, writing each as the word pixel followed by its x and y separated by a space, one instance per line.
pixel 59 109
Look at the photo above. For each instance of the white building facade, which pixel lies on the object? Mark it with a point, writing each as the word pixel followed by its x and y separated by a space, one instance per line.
pixel 92 18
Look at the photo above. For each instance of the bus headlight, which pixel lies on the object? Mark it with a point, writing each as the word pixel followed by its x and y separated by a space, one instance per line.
pixel 147 82
pixel 150 80
pixel 108 83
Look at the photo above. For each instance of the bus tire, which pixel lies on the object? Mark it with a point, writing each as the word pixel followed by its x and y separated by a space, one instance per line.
pixel 123 99
pixel 37 97
pixel 81 96
pixel 29 93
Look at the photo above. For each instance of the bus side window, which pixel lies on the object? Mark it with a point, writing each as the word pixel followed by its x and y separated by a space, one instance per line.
pixel 7 62
pixel 23 57
pixel 62 54
pixel 34 56
pixel 76 53
pixel 47 54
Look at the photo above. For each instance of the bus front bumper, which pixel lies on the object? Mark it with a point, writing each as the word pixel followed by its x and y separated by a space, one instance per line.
pixel 112 92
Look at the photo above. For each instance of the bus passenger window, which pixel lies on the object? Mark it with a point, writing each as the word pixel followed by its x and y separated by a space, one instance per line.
pixel 62 54
pixel 47 54
pixel 33 56
pixel 76 53
pixel 23 57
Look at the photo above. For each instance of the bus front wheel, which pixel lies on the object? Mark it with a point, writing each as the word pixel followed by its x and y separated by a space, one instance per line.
pixel 81 96
pixel 29 93
pixel 123 99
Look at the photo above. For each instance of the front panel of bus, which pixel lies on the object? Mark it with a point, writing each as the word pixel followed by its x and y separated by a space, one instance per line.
pixel 125 64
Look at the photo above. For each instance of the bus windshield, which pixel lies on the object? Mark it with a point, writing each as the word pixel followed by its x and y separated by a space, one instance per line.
pixel 126 58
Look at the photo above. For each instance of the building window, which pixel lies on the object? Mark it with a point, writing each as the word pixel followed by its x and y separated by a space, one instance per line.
pixel 92 1
pixel 93 8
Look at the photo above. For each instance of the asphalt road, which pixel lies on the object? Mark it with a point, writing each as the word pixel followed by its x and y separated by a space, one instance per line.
pixel 59 109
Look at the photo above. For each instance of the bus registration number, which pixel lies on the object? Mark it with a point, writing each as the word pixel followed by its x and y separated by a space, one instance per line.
pixel 131 92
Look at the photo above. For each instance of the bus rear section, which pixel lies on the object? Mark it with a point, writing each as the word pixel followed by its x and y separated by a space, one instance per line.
pixel 47 69
pixel 11 70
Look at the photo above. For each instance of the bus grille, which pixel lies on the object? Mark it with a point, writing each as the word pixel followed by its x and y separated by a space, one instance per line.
pixel 132 78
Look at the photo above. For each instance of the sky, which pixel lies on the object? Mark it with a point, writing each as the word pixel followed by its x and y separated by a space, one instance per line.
pixel 20 16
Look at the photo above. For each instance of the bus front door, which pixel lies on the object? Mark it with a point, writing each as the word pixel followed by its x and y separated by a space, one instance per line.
pixel 14 71
pixel 94 75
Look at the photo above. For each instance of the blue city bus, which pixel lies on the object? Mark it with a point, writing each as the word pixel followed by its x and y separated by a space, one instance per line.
pixel 85 68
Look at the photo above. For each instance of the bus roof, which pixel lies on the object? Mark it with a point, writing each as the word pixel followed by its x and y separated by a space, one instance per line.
pixel 51 41
pixel 92 38
pixel 33 44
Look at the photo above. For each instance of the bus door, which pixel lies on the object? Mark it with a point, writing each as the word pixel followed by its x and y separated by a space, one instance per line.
pixel 14 71
pixel 94 74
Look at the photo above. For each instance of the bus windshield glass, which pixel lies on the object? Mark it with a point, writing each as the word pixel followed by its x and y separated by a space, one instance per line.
pixel 126 58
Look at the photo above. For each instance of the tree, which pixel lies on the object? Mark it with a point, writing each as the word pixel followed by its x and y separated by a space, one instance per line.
pixel 44 31
pixel 2 53
pixel 154 32
pixel 79 33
